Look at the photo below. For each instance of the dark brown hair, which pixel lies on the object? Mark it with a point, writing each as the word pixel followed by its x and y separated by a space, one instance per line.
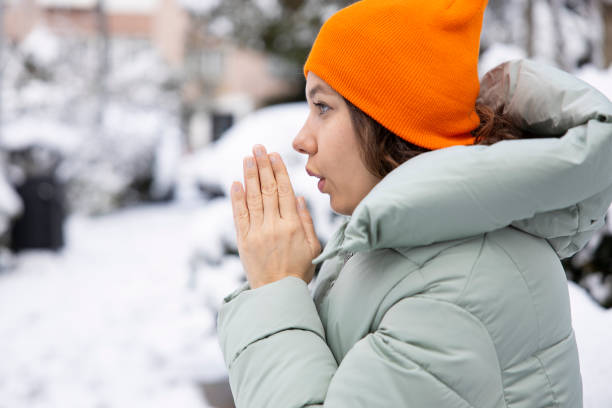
pixel 383 151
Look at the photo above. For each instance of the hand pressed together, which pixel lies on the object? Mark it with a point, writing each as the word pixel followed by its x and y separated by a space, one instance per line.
pixel 275 233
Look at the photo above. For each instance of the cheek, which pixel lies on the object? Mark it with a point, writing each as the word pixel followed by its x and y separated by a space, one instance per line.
pixel 340 143
pixel 343 183
pixel 341 151
pixel 342 165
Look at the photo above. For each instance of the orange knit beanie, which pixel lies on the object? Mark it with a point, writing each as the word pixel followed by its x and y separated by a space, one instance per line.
pixel 412 65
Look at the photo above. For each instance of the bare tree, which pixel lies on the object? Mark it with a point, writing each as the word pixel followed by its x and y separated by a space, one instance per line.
pixel 103 62
pixel 596 19
pixel 556 10
pixel 530 29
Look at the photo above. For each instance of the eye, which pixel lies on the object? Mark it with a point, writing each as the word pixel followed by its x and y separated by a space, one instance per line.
pixel 323 108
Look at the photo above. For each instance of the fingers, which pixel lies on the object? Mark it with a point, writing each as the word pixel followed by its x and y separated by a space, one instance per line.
pixel 239 208
pixel 286 196
pixel 254 202
pixel 267 182
pixel 308 226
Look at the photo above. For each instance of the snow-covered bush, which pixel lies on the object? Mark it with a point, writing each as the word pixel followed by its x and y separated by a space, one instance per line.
pixel 118 136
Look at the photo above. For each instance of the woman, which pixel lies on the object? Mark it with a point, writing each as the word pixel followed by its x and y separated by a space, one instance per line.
pixel 444 287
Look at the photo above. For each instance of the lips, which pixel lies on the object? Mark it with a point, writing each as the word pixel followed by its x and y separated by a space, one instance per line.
pixel 321 183
pixel 312 174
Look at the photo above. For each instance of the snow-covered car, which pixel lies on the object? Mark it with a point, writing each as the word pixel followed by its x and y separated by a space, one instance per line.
pixel 217 166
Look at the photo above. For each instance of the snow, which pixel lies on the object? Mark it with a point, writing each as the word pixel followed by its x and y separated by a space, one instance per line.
pixel 497 54
pixel 51 103
pixel 40 131
pixel 602 80
pixel 199 6
pixel 274 127
pixel 41 46
pixel 569 39
pixel 544 48
pixel 167 158
pixel 131 6
pixel 10 203
pixel 212 231
pixel 593 329
pixel 75 4
pixel 111 320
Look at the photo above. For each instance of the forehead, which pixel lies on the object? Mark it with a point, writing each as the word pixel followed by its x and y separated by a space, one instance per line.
pixel 314 85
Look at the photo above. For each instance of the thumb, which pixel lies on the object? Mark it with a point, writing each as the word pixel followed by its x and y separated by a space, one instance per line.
pixel 308 226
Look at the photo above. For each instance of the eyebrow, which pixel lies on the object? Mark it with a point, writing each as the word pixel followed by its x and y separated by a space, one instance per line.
pixel 314 90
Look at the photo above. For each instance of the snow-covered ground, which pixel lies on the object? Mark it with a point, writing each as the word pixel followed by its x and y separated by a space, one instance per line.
pixel 112 321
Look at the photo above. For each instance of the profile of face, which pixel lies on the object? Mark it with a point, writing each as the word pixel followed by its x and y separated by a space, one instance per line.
pixel 329 139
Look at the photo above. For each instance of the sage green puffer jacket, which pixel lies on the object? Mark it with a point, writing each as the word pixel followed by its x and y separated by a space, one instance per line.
pixel 454 295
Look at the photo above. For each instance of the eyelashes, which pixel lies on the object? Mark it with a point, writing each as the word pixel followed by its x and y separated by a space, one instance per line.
pixel 323 108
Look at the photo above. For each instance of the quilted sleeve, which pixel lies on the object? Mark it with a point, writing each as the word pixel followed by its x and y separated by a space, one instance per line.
pixel 424 353
pixel 274 346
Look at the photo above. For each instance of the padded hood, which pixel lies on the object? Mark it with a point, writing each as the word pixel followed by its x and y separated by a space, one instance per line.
pixel 557 188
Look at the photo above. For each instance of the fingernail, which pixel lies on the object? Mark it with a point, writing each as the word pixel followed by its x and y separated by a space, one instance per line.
pixel 250 162
pixel 301 203
pixel 259 151
pixel 273 158
pixel 236 187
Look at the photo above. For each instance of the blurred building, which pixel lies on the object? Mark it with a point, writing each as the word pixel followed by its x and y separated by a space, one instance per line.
pixel 220 81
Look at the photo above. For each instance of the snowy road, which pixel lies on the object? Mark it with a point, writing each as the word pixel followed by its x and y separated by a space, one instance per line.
pixel 109 322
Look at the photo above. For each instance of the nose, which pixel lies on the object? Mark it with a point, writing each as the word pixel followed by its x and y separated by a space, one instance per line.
pixel 305 142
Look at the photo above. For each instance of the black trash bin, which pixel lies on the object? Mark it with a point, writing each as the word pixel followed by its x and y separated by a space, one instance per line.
pixel 41 226
pixel 220 123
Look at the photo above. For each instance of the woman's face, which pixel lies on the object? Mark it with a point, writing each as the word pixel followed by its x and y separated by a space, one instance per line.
pixel 330 141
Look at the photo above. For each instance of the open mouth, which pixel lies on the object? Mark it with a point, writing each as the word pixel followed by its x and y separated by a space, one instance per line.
pixel 321 183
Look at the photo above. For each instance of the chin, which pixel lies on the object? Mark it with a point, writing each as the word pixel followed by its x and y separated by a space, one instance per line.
pixel 340 207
